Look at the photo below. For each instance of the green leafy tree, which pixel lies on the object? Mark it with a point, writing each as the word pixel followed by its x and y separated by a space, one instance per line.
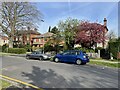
pixel 68 30
pixel 16 16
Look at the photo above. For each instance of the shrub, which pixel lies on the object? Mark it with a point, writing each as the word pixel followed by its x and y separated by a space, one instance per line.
pixel 85 49
pixel 28 47
pixel 114 48
pixel 98 48
pixel 16 50
pixel 4 47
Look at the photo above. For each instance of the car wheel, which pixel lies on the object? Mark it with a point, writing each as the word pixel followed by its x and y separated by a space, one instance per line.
pixel 56 59
pixel 40 58
pixel 27 57
pixel 78 62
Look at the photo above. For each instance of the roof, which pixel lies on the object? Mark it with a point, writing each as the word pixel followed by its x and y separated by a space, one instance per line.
pixel 28 32
pixel 4 37
pixel 48 34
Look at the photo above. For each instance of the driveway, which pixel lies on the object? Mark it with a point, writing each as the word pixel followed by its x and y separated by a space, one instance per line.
pixel 46 74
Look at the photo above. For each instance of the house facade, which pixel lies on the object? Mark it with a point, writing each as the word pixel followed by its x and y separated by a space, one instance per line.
pixel 39 41
pixel 3 40
pixel 103 44
pixel 25 37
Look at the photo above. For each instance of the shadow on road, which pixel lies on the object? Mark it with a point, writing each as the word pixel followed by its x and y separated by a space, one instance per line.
pixel 49 79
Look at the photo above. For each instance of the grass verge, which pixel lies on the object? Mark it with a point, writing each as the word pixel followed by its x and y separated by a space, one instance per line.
pixel 4 54
pixel 4 84
pixel 113 65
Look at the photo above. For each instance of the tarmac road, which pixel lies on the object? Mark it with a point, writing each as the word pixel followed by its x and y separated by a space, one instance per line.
pixel 47 74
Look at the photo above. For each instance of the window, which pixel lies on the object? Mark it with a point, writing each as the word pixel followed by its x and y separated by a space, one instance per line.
pixel 73 53
pixel 34 40
pixel 66 53
pixel 33 52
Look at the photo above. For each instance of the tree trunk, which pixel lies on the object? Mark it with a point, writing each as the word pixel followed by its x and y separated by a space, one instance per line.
pixel 10 42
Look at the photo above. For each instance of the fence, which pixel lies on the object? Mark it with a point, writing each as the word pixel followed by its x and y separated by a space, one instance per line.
pixel 93 55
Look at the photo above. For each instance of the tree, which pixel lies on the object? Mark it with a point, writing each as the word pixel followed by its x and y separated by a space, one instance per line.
pixel 112 36
pixel 17 15
pixel 49 29
pixel 54 30
pixel 68 30
pixel 89 34
pixel 55 42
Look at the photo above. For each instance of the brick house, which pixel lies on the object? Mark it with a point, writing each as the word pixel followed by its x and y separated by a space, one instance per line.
pixel 3 40
pixel 26 37
pixel 40 40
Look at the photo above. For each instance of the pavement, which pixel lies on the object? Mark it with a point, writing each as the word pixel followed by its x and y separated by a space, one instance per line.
pixel 47 74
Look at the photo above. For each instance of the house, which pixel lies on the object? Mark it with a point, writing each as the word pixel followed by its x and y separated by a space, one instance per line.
pixel 103 44
pixel 3 40
pixel 39 41
pixel 26 37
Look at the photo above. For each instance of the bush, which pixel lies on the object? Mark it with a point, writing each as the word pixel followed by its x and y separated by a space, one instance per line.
pixel 98 48
pixel 4 47
pixel 28 47
pixel 16 50
pixel 114 48
pixel 85 50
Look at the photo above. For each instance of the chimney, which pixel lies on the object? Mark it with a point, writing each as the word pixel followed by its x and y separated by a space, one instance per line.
pixel 105 22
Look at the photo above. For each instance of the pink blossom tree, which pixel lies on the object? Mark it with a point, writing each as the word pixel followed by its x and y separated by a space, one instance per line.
pixel 89 34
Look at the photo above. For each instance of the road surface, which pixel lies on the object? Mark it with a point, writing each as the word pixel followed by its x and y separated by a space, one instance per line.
pixel 46 74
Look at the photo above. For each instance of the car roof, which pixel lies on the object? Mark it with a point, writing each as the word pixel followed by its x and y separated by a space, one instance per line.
pixel 74 50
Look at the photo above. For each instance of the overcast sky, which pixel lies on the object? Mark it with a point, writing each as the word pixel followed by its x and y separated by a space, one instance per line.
pixel 92 11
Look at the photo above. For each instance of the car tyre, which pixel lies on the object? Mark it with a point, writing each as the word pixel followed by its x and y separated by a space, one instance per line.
pixel 56 60
pixel 40 58
pixel 78 62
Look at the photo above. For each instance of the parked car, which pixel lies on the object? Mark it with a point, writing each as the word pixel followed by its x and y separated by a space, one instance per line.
pixel 72 56
pixel 37 55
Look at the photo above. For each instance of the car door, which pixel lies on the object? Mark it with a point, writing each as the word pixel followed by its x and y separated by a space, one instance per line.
pixel 66 56
pixel 72 56
pixel 36 55
pixel 32 55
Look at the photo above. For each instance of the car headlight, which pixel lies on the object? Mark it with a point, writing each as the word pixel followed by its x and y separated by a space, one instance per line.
pixel 45 56
pixel 84 56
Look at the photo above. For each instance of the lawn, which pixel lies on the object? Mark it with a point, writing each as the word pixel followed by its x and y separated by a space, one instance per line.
pixel 4 54
pixel 4 84
pixel 113 65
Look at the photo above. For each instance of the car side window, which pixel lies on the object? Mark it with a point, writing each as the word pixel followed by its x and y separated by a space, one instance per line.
pixel 73 53
pixel 78 53
pixel 37 52
pixel 33 52
pixel 66 53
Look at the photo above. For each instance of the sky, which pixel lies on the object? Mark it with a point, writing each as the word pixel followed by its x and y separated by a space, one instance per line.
pixel 53 12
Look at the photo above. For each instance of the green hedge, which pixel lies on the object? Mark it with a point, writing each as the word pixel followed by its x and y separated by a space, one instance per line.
pixel 16 50
pixel 2 48
pixel 114 48
pixel 85 49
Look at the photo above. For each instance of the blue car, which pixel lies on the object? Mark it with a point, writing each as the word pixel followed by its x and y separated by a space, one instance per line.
pixel 72 56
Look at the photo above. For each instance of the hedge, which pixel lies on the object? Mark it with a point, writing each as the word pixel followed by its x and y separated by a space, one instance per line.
pixel 16 50
pixel 114 48
pixel 85 49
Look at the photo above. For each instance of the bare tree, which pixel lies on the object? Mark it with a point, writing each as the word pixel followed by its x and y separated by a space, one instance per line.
pixel 112 36
pixel 16 15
